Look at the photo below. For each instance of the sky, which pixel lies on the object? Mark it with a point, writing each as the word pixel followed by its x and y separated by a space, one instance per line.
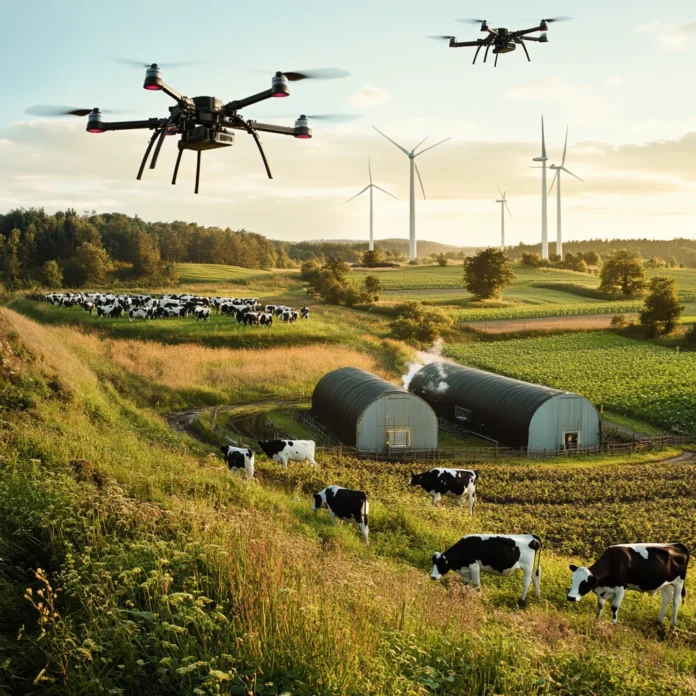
pixel 619 76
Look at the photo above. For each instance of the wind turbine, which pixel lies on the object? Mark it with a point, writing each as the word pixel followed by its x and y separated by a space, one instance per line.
pixel 544 217
pixel 412 252
pixel 503 205
pixel 557 176
pixel 369 187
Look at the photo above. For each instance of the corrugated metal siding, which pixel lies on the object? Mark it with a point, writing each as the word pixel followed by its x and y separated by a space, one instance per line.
pixel 343 401
pixel 500 407
pixel 562 414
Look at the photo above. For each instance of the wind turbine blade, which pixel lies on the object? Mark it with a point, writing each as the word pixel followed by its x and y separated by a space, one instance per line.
pixel 543 139
pixel 565 148
pixel 422 152
pixel 387 192
pixel 403 149
pixel 369 168
pixel 507 208
pixel 419 144
pixel 502 195
pixel 421 182
pixel 359 194
pixel 553 182
pixel 575 175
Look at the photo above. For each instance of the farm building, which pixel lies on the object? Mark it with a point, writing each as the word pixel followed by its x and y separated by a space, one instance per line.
pixel 514 413
pixel 371 414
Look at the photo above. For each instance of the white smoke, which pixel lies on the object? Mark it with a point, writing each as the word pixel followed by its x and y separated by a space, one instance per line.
pixel 427 357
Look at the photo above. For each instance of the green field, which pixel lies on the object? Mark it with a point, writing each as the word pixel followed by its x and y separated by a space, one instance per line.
pixel 163 573
pixel 650 382
pixel 200 273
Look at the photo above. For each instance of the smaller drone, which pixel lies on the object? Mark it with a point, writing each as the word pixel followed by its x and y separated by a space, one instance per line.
pixel 502 40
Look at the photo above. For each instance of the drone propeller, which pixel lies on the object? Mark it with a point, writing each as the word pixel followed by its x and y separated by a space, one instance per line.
pixel 468 20
pixel 441 38
pixel 315 74
pixel 557 19
pixel 336 118
pixel 49 110
pixel 143 64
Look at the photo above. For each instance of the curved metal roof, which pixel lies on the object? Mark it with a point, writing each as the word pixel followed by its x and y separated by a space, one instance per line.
pixel 501 407
pixel 341 396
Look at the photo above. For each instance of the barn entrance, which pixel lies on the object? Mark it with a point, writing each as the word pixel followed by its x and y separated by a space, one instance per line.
pixel 571 440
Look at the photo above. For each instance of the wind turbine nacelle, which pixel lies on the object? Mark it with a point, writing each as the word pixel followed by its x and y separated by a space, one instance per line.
pixel 505 48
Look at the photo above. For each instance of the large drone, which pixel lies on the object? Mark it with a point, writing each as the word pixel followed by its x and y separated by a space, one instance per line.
pixel 502 40
pixel 204 123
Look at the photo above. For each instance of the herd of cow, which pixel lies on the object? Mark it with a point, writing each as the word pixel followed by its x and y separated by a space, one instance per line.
pixel 247 311
pixel 646 568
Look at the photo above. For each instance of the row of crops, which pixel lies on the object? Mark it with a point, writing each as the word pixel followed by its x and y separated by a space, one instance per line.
pixel 650 382
pixel 541 311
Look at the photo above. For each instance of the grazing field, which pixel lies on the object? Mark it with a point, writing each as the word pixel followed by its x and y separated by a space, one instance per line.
pixel 200 273
pixel 650 382
pixel 163 573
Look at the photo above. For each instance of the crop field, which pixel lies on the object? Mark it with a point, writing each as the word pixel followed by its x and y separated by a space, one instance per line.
pixel 549 310
pixel 653 383
pixel 200 273
pixel 163 573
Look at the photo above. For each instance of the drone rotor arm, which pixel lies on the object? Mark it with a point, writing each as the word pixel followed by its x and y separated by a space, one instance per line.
pixel 132 125
pixel 267 128
pixel 237 104
pixel 523 32
pixel 531 38
pixel 463 44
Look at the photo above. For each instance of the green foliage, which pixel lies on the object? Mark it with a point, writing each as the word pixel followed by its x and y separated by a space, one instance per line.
pixel 623 272
pixel 89 267
pixel 419 325
pixel 487 273
pixel 590 257
pixel 442 260
pixel 331 281
pixel 661 310
pixel 541 311
pixel 372 259
pixel 618 321
pixel 650 382
pixel 52 275
pixel 531 260
pixel 373 287
pixel 575 263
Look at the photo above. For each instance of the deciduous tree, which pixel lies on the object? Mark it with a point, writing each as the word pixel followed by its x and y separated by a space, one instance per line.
pixel 623 272
pixel 487 273
pixel 661 309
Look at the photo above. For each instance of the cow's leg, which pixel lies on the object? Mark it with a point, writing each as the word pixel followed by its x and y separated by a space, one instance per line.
pixel 600 605
pixel 436 498
pixel 285 462
pixel 619 593
pixel 312 462
pixel 678 587
pixel 475 570
pixel 536 579
pixel 364 531
pixel 332 515
pixel 472 502
pixel 667 593
pixel 526 582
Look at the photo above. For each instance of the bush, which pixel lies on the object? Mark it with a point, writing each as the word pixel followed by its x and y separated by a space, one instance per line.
pixel 418 325
pixel 618 321
pixel 661 310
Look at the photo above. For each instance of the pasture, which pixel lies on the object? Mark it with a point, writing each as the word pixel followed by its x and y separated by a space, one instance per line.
pixel 203 273
pixel 163 572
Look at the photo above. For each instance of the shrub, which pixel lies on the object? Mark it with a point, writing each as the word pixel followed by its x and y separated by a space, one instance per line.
pixel 418 325
pixel 618 320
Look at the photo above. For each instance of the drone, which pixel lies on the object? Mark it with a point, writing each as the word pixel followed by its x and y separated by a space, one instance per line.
pixel 203 123
pixel 502 40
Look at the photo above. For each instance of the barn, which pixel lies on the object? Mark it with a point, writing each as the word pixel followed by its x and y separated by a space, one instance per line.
pixel 511 412
pixel 366 412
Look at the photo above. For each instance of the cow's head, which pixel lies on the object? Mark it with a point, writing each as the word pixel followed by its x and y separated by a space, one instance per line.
pixel 440 566
pixel 415 479
pixel 317 502
pixel 223 449
pixel 581 582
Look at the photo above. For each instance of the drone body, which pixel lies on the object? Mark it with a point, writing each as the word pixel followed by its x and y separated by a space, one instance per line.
pixel 203 123
pixel 502 40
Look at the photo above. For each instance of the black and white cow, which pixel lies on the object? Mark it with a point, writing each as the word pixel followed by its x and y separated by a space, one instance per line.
pixel 284 451
pixel 495 554
pixel 145 314
pixel 113 311
pixel 344 504
pixel 455 483
pixel 305 313
pixel 201 312
pixel 239 458
pixel 642 567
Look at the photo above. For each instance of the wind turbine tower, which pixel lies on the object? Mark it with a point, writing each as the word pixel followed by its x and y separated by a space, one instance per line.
pixel 544 216
pixel 557 180
pixel 503 206
pixel 413 167
pixel 370 187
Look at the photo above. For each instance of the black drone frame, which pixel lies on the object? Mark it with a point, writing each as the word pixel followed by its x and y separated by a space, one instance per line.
pixel 202 122
pixel 496 37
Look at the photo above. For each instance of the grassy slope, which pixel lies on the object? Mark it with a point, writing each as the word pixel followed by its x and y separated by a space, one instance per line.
pixel 176 576
pixel 195 273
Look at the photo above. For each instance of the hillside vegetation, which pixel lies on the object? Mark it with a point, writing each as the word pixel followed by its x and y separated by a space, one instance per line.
pixel 160 572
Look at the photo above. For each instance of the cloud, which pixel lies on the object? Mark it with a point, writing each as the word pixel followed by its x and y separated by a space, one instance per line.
pixel 370 96
pixel 670 37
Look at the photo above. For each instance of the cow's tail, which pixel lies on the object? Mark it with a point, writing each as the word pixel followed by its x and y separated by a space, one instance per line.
pixel 536 545
pixel 365 511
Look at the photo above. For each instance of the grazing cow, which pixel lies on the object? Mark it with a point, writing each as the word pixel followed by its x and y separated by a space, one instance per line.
pixel 344 504
pixel 88 306
pixel 239 458
pixel 284 451
pixel 202 313
pixel 114 311
pixel 642 567
pixel 495 554
pixel 266 320
pixel 305 313
pixel 455 483
pixel 139 314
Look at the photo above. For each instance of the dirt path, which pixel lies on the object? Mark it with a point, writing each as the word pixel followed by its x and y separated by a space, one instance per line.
pixel 577 323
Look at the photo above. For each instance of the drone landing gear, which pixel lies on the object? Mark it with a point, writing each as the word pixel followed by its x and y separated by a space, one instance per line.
pixel 147 154
pixel 198 167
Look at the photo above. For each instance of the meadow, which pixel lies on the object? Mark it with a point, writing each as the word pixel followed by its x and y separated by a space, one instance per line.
pixel 163 573
pixel 201 273
pixel 637 378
